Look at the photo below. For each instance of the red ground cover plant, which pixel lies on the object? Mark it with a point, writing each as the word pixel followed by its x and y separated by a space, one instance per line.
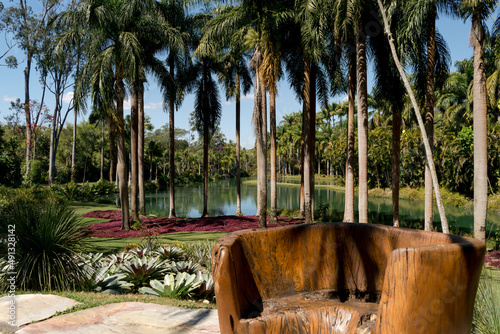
pixel 493 258
pixel 111 229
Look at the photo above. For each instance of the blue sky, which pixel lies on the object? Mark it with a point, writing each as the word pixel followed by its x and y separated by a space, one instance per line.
pixel 455 33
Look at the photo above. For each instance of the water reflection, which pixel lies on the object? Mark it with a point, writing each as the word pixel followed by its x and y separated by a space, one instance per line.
pixel 222 201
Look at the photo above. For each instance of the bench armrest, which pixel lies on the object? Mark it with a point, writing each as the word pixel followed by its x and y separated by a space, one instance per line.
pixel 430 289
pixel 235 288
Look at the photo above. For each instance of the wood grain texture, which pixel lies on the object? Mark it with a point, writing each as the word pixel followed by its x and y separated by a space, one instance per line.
pixel 345 278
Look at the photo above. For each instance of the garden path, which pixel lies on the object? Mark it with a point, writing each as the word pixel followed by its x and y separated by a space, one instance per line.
pixel 127 318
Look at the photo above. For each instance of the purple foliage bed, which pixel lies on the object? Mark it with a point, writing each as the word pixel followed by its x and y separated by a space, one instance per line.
pixel 493 259
pixel 112 228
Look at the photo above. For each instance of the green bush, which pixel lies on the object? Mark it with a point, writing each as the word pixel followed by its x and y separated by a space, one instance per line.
pixel 48 237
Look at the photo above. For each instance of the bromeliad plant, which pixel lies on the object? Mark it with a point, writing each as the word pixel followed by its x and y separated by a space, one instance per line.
pixel 180 285
pixel 140 271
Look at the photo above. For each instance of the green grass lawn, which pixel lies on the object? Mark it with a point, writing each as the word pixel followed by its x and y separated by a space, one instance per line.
pixel 104 245
pixel 82 208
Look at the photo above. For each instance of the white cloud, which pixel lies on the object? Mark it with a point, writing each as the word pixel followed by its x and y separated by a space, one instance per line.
pixel 68 97
pixel 126 104
pixel 153 105
pixel 248 97
pixel 9 98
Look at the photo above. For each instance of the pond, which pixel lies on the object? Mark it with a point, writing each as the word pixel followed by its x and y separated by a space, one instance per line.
pixel 222 201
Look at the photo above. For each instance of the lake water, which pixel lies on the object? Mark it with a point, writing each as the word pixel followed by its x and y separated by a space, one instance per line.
pixel 222 201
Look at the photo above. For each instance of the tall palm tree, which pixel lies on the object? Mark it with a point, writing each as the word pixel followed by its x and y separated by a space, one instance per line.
pixel 249 19
pixel 389 93
pixel 350 18
pixel 303 59
pixel 173 76
pixel 430 57
pixel 207 112
pixel 235 76
pixel 444 221
pixel 113 56
pixel 479 11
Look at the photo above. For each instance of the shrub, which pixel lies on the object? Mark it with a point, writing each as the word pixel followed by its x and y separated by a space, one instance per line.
pixel 47 237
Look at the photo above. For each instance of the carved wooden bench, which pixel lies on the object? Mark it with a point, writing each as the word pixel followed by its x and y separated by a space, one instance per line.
pixel 346 278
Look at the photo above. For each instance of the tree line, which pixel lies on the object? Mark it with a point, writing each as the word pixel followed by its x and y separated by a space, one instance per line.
pixel 108 47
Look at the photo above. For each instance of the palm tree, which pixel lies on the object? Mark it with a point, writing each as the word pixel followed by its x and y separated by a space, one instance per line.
pixel 249 20
pixel 479 11
pixel 113 55
pixel 430 57
pixel 234 75
pixel 444 221
pixel 303 58
pixel 344 31
pixel 174 75
pixel 207 112
pixel 389 94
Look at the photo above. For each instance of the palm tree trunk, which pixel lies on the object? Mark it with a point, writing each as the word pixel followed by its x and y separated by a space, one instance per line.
pixel 349 178
pixel 238 178
pixel 362 126
pixel 428 152
pixel 133 150
pixel 259 116
pixel 112 149
pixel 122 156
pixel 205 166
pixel 171 159
pixel 262 137
pixel 396 158
pixel 429 116
pixel 102 150
pixel 309 129
pixel 140 149
pixel 480 131
pixel 272 112
pixel 302 208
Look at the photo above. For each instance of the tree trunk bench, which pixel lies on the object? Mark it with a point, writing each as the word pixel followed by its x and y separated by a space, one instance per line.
pixel 346 278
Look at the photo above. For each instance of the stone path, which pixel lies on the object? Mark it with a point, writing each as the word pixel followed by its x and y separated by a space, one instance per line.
pixel 129 317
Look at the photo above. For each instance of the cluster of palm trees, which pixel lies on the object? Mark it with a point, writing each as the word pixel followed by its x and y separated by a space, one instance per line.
pixel 323 45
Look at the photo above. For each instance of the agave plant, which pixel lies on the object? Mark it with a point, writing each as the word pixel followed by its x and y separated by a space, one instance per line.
pixel 48 236
pixel 140 271
pixel 180 285
pixel 189 267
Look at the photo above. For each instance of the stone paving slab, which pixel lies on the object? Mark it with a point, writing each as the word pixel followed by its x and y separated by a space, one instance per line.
pixel 130 318
pixel 32 307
